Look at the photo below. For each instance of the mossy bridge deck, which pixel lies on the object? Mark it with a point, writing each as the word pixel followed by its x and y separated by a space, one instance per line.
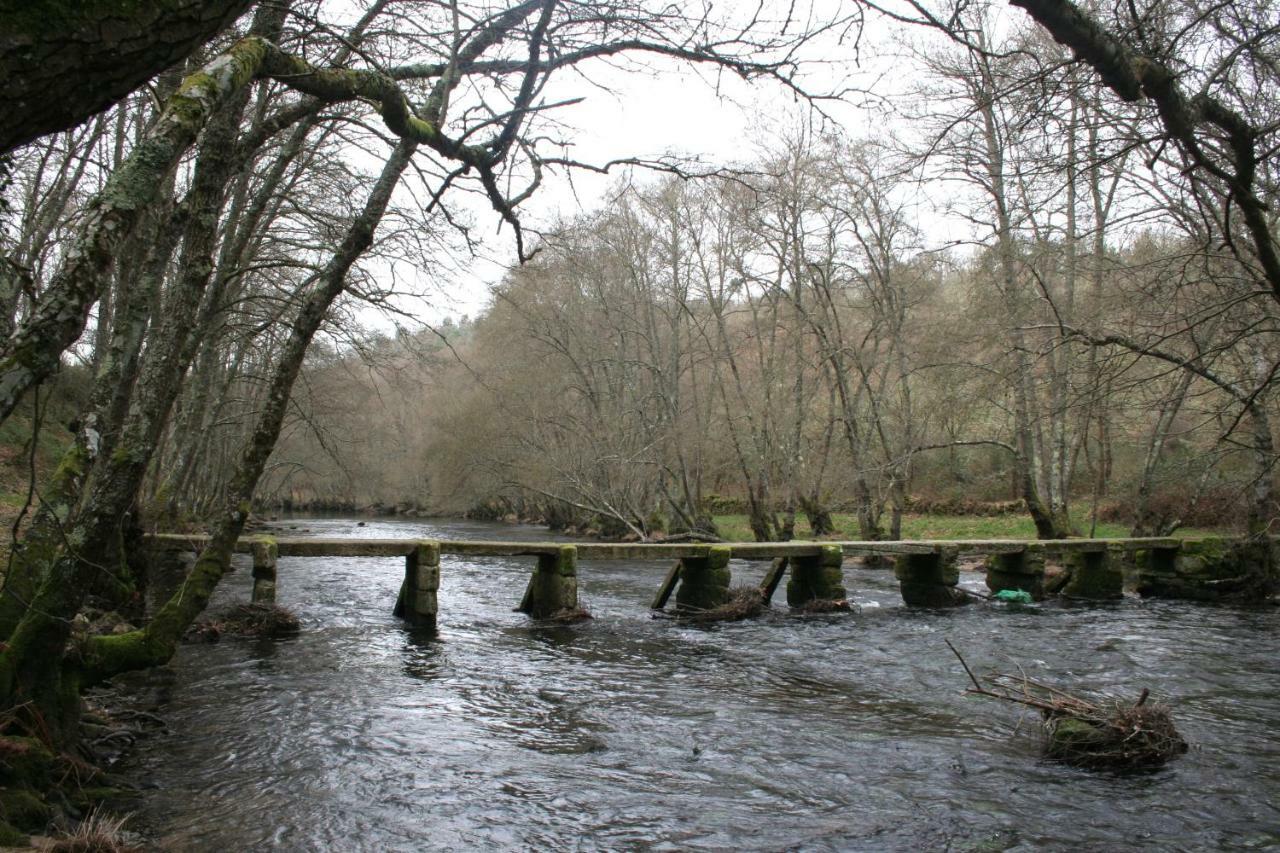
pixel 927 570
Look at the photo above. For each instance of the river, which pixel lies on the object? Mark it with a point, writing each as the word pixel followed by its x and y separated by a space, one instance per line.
pixel 833 732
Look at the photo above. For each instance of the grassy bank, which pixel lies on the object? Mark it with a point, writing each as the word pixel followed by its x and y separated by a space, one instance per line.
pixel 735 528
pixel 24 449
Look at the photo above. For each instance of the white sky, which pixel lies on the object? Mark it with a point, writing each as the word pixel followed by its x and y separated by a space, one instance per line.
pixel 645 118
pixel 641 115
pixel 716 117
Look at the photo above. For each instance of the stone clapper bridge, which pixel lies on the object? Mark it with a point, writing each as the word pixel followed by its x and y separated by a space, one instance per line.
pixel 927 570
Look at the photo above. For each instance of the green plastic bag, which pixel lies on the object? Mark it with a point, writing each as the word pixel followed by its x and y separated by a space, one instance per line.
pixel 1015 596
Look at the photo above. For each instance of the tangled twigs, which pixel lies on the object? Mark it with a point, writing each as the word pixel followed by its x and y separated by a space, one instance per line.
pixel 247 620
pixel 745 602
pixel 1107 733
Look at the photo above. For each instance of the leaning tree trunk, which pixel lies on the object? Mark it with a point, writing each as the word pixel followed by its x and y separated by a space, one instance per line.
pixel 30 674
pixel 35 350
pixel 33 353
pixel 63 62
pixel 96 434
pixel 156 643
pixel 42 542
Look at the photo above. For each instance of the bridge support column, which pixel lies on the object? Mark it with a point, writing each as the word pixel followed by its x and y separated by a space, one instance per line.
pixel 1095 576
pixel 554 585
pixel 1210 569
pixel 704 581
pixel 818 577
pixel 1024 571
pixel 418 604
pixel 929 580
pixel 1157 571
pixel 265 555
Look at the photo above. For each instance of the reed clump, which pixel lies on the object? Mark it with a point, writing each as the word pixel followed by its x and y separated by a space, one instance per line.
pixel 98 833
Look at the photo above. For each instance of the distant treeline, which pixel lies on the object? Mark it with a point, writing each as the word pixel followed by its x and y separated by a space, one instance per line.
pixel 784 348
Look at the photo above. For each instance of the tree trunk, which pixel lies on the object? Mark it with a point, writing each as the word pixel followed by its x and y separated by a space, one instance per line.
pixel 1260 490
pixel 820 521
pixel 26 670
pixel 63 62
pixel 109 218
pixel 1145 521
pixel 1028 460
pixel 155 644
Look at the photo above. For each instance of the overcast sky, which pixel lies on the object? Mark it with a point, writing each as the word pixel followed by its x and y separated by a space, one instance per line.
pixel 716 117
pixel 644 117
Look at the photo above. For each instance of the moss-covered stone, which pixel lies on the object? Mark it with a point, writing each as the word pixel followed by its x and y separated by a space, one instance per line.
pixel 266 554
pixel 23 809
pixel 1069 736
pixel 929 580
pixel 12 837
pixel 704 581
pixel 417 602
pixel 86 799
pixel 1211 569
pixel 818 578
pixel 1023 571
pixel 554 585
pixel 26 762
pixel 1055 578
pixel 1094 576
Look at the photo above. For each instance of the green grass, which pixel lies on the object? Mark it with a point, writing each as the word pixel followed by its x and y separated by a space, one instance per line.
pixel 15 459
pixel 734 528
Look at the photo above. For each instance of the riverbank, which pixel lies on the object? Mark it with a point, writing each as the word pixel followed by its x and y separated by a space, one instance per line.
pixel 736 528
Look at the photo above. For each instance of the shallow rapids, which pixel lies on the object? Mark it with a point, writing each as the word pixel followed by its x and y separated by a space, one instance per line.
pixel 830 732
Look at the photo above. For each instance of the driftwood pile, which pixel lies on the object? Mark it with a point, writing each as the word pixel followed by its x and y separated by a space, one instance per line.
pixel 1107 733
pixel 745 602
pixel 825 605
pixel 269 621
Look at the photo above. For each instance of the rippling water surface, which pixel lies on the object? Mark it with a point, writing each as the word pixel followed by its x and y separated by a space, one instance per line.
pixel 819 733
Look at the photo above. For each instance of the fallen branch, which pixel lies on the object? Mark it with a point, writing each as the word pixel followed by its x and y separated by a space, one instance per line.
pixel 1106 733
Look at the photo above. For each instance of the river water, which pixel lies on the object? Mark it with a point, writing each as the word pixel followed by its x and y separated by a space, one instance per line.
pixel 831 732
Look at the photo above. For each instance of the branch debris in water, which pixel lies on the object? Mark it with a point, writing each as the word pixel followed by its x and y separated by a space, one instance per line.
pixel 1107 733
pixel 745 602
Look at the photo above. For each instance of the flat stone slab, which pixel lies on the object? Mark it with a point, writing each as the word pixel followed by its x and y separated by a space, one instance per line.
pixel 357 547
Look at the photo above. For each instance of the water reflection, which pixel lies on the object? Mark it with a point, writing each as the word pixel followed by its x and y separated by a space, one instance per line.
pixel 830 732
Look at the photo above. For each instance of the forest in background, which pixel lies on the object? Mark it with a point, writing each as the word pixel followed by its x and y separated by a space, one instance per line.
pixel 788 341
pixel 638 379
